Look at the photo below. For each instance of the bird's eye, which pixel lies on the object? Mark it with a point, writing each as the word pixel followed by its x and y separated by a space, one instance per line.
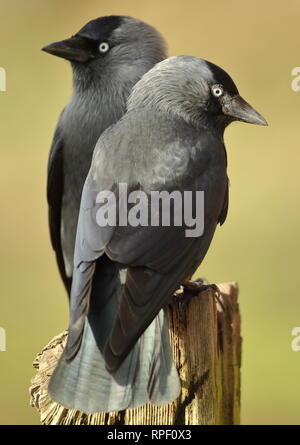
pixel 217 91
pixel 103 47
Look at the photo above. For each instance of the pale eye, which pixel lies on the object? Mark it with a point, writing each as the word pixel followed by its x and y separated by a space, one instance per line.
pixel 217 91
pixel 103 47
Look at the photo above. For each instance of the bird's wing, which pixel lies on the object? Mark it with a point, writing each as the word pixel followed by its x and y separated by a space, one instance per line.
pixel 55 185
pixel 158 258
pixel 223 214
pixel 91 240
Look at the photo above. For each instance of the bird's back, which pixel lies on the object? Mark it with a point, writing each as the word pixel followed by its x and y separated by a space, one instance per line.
pixel 157 151
pixel 82 122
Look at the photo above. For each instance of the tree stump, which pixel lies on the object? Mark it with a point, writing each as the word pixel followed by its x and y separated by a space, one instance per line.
pixel 206 344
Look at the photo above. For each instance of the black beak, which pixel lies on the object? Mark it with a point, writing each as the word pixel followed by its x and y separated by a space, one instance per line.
pixel 240 110
pixel 74 49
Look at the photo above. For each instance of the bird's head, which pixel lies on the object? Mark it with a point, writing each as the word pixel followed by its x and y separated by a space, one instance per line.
pixel 195 89
pixel 111 45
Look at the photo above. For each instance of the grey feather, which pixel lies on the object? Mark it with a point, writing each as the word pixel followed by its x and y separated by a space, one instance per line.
pixel 100 90
pixel 118 352
pixel 85 384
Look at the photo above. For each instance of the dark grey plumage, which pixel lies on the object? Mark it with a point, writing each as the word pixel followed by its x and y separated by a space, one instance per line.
pixel 102 83
pixel 171 138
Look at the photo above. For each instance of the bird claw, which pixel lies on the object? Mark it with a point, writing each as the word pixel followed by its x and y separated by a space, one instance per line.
pixel 191 288
pixel 195 285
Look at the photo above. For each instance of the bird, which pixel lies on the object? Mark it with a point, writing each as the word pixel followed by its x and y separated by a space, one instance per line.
pixel 108 56
pixel 118 353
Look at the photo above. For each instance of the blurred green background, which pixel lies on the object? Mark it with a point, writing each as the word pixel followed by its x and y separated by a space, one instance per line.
pixel 258 44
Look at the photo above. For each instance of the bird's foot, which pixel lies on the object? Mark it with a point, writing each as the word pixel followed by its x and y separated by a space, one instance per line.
pixel 197 285
pixel 191 288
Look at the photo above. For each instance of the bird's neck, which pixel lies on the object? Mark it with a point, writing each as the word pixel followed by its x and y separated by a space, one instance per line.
pixel 99 99
pixel 85 79
pixel 215 124
pixel 113 81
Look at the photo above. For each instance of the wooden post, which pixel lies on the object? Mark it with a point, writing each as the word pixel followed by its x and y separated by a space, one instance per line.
pixel 206 342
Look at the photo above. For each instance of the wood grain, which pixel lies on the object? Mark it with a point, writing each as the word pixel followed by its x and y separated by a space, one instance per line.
pixel 206 343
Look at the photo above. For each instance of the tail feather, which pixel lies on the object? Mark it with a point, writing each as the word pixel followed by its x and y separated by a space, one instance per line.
pixel 148 373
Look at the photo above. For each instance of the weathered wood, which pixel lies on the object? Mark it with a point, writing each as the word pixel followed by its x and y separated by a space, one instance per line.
pixel 206 343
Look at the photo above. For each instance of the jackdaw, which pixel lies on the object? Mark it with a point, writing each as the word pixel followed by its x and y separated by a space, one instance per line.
pixel 108 56
pixel 171 139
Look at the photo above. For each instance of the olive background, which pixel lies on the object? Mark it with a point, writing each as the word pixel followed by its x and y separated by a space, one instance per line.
pixel 257 42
